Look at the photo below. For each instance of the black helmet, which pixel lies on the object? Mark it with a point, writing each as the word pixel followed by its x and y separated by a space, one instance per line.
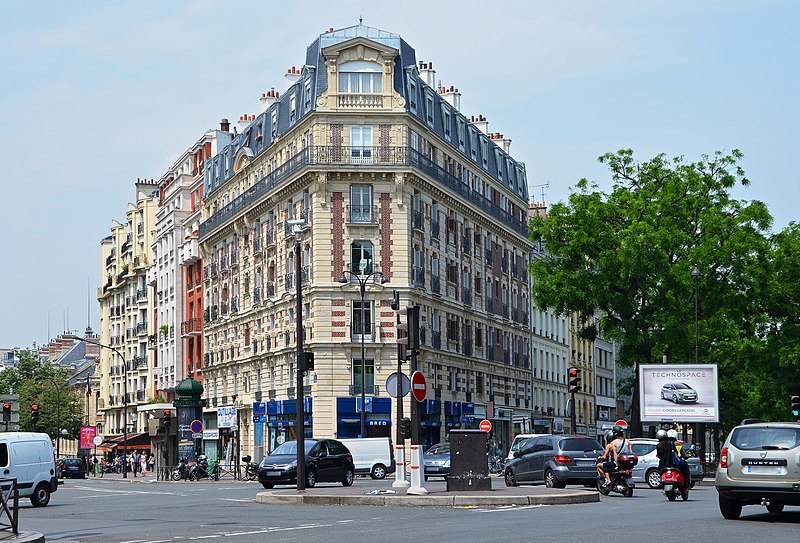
pixel 618 431
pixel 609 435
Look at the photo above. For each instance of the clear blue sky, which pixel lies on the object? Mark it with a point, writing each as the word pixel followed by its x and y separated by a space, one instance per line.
pixel 96 94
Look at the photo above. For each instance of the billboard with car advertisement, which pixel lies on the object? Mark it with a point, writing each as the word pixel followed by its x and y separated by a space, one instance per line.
pixel 679 393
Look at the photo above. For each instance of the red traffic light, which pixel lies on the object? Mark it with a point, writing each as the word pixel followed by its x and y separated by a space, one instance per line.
pixel 167 413
pixel 573 372
pixel 35 407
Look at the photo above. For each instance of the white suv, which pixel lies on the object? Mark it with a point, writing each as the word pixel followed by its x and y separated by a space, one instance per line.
pixel 759 464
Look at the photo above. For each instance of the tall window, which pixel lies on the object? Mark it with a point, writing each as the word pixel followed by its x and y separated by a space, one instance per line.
pixel 361 257
pixel 360 77
pixel 361 204
pixel 369 376
pixel 361 326
pixel 360 144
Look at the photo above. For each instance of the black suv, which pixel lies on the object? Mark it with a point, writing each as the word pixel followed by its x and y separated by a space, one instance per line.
pixel 327 460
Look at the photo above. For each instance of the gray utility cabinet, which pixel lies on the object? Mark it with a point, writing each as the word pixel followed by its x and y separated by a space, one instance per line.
pixel 469 461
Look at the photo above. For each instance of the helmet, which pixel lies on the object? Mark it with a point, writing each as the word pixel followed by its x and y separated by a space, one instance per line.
pixel 672 434
pixel 661 435
pixel 609 435
pixel 618 431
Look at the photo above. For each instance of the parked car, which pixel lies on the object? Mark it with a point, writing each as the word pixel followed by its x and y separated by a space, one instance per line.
pixel 327 460
pixel 373 456
pixel 555 460
pixel 71 468
pixel 436 461
pixel 678 393
pixel 646 471
pixel 519 439
pixel 28 458
pixel 758 465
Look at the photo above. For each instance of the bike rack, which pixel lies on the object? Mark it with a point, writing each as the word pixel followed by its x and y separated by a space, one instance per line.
pixel 9 493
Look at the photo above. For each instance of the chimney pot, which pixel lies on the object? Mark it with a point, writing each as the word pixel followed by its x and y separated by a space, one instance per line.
pixel 330 29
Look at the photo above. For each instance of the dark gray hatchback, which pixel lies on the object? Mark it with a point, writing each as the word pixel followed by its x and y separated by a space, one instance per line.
pixel 556 461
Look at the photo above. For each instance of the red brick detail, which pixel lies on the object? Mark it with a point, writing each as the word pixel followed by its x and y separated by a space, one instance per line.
pixel 386 234
pixel 388 335
pixel 337 240
pixel 338 334
pixel 338 302
pixel 387 313
pixel 338 313
pixel 337 323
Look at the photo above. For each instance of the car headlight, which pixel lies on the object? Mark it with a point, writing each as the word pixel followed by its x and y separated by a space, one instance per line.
pixel 292 465
pixel 447 464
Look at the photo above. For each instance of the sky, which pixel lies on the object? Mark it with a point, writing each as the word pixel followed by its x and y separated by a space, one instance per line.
pixel 94 95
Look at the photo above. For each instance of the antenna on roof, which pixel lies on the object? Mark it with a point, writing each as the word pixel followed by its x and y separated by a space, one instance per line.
pixel 543 186
pixel 360 19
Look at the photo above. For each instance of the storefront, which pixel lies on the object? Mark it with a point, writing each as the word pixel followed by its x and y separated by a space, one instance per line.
pixel 281 422
pixel 377 417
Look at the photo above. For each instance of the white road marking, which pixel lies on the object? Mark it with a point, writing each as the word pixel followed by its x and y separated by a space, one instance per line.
pixel 506 508
pixel 246 500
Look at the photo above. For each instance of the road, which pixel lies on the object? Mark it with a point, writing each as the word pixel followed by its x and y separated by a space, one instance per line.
pixel 123 512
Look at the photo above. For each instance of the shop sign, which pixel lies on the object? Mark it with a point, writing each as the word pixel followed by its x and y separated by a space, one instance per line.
pixel 210 435
pixel 379 423
pixel 226 416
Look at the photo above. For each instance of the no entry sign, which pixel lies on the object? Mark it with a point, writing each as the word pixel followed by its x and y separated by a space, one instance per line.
pixel 418 386
pixel 485 425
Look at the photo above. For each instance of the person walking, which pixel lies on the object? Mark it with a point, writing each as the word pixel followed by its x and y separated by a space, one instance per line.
pixel 143 464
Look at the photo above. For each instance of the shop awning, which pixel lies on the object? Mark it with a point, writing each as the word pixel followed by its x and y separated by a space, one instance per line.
pixel 135 442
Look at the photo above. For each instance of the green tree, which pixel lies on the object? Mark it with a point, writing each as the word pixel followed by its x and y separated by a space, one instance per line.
pixel 629 255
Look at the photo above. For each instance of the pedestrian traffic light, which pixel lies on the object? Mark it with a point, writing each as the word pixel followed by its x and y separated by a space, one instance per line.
pixel 35 413
pixel 7 412
pixel 574 383
pixel 167 418
pixel 795 401
pixel 405 428
pixel 307 362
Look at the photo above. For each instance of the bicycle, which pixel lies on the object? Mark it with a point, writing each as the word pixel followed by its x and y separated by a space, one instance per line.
pixel 496 465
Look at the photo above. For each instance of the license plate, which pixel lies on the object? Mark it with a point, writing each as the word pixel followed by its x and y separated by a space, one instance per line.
pixel 431 468
pixel 764 470
pixel 273 474
pixel 585 462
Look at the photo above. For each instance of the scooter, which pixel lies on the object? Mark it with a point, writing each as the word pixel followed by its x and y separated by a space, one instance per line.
pixel 200 469
pixel 181 471
pixel 674 484
pixel 620 477
pixel 251 468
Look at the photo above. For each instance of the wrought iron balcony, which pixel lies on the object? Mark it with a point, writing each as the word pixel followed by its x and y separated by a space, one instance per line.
pixel 234 258
pixel 234 305
pixel 192 327
pixel 289 280
pixel 141 328
pixel 366 214
pixel 269 238
pixel 223 263
pixel 256 246
pixel 140 395
pixel 270 289
pixel 419 277
pixel 418 223
pixel 141 294
pixel 224 308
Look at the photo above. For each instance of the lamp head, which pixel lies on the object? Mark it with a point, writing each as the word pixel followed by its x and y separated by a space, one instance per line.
pixel 343 279
pixel 695 272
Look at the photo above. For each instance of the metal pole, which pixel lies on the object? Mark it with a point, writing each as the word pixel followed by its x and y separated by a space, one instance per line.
pixel 58 421
pixel 301 431
pixel 399 435
pixel 699 428
pixel 363 285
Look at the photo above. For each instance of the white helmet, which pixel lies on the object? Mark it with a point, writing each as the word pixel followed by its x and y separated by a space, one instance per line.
pixel 661 435
pixel 672 434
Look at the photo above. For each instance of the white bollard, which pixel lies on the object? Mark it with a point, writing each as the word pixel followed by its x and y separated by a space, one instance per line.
pixel 416 487
pixel 400 467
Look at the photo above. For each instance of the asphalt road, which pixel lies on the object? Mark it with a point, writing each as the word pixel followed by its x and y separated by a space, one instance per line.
pixel 125 512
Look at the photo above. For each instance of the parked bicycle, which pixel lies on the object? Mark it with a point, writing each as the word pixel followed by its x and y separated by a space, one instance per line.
pixel 497 464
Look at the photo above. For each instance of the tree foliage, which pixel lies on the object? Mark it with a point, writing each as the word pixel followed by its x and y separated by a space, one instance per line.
pixel 628 256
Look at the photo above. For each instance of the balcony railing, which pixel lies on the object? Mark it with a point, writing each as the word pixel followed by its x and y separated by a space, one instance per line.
pixel 361 101
pixel 353 156
pixel 419 277
pixel 270 289
pixel 141 328
pixel 140 361
pixel 289 279
pixel 435 284
pixel 140 395
pixel 356 331
pixel 362 214
pixel 269 238
pixel 192 326
pixel 224 308
pixel 223 263
pixel 418 223
pixel 234 305
pixel 234 258
pixel 141 294
pixel 372 390
pixel 256 246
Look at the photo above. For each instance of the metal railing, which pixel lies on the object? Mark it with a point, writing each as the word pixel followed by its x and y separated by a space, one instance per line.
pixel 9 505
pixel 362 214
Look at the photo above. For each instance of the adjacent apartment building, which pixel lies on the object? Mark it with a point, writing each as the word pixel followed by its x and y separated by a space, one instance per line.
pixel 392 180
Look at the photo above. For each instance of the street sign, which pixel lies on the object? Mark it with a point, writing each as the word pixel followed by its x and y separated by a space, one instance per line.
pixel 97 441
pixel 197 427
pixel 391 385
pixel 418 386
pixel 622 423
pixel 485 425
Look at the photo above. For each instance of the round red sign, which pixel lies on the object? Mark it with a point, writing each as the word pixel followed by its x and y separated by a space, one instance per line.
pixel 418 386
pixel 485 425
pixel 622 423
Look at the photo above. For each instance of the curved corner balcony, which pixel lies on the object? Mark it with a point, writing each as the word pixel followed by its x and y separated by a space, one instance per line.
pixel 347 157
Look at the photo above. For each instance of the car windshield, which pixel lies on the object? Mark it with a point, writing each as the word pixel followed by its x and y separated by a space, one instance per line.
pixel 290 447
pixel 442 448
pixel 579 444
pixel 683 386
pixel 641 449
pixel 757 439
pixel 72 462
pixel 518 443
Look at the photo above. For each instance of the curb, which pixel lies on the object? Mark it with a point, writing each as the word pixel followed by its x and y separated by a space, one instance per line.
pixel 26 537
pixel 270 498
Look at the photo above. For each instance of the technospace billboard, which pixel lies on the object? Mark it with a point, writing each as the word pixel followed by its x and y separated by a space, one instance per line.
pixel 679 392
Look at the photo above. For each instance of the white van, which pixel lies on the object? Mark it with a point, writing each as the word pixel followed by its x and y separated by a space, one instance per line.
pixel 372 455
pixel 518 440
pixel 28 457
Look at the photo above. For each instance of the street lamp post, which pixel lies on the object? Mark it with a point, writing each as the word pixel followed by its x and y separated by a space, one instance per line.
pixel 297 229
pixel 124 401
pixel 362 287
pixel 700 430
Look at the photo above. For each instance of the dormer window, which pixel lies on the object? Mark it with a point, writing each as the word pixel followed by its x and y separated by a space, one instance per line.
pixel 360 77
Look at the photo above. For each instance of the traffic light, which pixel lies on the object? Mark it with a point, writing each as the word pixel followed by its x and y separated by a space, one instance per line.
pixel 307 362
pixel 405 428
pixel 167 418
pixel 574 383
pixel 795 401
pixel 408 331
pixel 35 414
pixel 7 412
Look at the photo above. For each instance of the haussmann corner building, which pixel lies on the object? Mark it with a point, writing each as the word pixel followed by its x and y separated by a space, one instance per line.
pixel 389 176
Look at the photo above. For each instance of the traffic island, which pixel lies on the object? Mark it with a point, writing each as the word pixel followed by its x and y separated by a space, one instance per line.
pixel 515 496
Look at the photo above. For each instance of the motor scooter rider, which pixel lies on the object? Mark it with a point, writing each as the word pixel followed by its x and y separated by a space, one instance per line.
pixel 606 464
pixel 682 455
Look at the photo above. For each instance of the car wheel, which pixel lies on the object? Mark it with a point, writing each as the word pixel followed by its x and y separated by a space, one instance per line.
pixel 674 399
pixel 311 478
pixel 40 496
pixel 378 471
pixel 509 478
pixel 550 480
pixel 730 509
pixel 653 478
pixel 348 478
pixel 267 485
pixel 775 508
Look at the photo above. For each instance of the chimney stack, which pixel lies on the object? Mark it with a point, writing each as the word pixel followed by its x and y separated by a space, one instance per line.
pixel 292 76
pixel 244 122
pixel 480 123
pixel 501 141
pixel 427 73
pixel 268 98
pixel 451 96
pixel 225 125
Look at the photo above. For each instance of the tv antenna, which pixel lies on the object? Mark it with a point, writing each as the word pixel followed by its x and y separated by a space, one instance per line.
pixel 542 186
